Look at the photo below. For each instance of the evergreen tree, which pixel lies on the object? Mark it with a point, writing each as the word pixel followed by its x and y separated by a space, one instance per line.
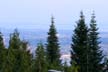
pixel 40 63
pixel 80 44
pixel 15 44
pixel 26 58
pixel 2 52
pixel 95 52
pixel 52 49
pixel 18 58
pixel 13 58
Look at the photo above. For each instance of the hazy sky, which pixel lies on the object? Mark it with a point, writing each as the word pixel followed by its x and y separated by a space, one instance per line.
pixel 36 13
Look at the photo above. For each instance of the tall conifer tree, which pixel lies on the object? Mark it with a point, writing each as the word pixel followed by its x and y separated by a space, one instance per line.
pixel 15 45
pixel 80 44
pixel 52 50
pixel 95 52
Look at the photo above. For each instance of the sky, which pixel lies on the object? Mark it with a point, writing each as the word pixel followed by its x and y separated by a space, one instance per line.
pixel 36 14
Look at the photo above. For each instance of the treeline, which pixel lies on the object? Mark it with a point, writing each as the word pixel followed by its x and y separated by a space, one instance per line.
pixel 86 53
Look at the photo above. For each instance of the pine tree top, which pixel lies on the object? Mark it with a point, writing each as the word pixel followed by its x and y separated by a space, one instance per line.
pixel 52 20
pixel 93 18
pixel 81 15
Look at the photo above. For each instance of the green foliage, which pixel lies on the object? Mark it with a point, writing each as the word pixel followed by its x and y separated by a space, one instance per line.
pixel 80 44
pixel 2 52
pixel 86 54
pixel 12 55
pixel 9 62
pixel 18 57
pixel 74 67
pixel 15 41
pixel 95 54
pixel 40 63
pixel 52 50
pixel 14 46
pixel 85 47
pixel 26 58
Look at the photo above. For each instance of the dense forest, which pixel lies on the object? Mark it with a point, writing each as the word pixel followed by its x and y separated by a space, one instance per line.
pixel 86 53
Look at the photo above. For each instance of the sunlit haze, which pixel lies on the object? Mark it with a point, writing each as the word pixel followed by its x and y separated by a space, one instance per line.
pixel 33 14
